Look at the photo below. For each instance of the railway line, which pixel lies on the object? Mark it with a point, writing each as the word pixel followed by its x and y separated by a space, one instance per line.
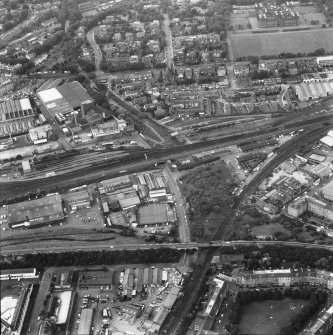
pixel 91 172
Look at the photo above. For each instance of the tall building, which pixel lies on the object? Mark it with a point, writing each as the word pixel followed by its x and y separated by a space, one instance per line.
pixel 297 207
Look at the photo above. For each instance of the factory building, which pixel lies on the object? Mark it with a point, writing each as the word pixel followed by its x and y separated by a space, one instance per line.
pixel 66 98
pixel 36 212
pixel 16 117
pixel 325 62
pixel 19 274
pixel 79 199
pixel 86 321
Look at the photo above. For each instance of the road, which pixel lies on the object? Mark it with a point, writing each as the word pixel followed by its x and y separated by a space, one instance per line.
pixel 168 39
pixel 84 246
pixel 97 50
pixel 183 224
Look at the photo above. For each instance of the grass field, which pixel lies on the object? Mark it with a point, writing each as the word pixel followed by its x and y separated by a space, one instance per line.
pixel 268 317
pixel 276 43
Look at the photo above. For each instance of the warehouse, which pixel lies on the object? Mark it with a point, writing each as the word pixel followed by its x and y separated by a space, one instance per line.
pixel 35 213
pixel 16 117
pixel 314 90
pixel 119 220
pixel 66 98
pixel 153 215
pixel 327 141
pixel 80 199
pixel 87 315
pixel 18 274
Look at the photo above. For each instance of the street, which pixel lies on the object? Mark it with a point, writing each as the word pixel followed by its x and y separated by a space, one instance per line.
pixel 183 224
pixel 97 50
pixel 168 39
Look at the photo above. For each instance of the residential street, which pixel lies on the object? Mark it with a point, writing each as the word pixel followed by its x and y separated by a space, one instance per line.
pixel 168 39
pixel 97 50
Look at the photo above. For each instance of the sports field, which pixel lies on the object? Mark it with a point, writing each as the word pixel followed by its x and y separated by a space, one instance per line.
pixel 268 317
pixel 276 43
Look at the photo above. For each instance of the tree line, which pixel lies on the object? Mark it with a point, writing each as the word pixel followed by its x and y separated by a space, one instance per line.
pixel 82 258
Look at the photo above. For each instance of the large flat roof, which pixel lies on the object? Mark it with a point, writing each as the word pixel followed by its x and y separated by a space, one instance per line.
pixel 37 211
pixel 65 97
pixel 49 95
pixel 72 92
pixel 86 321
pixel 328 140
pixel 153 214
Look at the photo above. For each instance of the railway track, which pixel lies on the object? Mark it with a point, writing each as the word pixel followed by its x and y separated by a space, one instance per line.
pixel 12 188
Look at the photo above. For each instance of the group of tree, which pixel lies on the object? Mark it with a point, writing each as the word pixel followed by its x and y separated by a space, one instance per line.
pixel 69 10
pixel 284 55
pixel 23 197
pixel 81 258
pixel 10 20
pixel 209 187
pixel 282 256
pixel 316 299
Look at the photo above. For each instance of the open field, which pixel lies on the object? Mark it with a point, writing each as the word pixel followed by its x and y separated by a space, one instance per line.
pixel 268 317
pixel 276 43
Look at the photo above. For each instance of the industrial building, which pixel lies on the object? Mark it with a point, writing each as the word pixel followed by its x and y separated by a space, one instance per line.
pixel 118 220
pixel 14 309
pixel 63 279
pixel 36 212
pixel 19 274
pixel 328 140
pixel 66 98
pixel 313 90
pixel 325 62
pixel 79 199
pixel 86 321
pixel 16 117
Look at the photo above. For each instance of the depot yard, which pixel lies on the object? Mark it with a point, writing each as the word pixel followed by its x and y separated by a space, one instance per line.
pixel 121 305
pixel 268 317
pixel 275 43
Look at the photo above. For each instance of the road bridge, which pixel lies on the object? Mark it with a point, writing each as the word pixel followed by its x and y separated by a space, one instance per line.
pixel 24 249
